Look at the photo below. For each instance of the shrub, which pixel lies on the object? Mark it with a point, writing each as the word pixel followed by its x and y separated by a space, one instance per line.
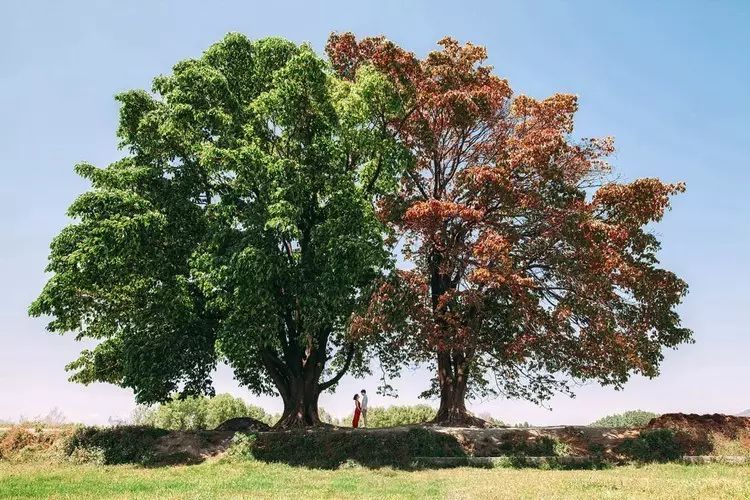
pixel 88 455
pixel 495 422
pixel 653 445
pixel 523 443
pixel 331 449
pixel 198 413
pixel 394 416
pixel 561 449
pixel 22 442
pixel 241 447
pixel 118 445
pixel 726 446
pixel 224 406
pixel 15 439
pixel 633 418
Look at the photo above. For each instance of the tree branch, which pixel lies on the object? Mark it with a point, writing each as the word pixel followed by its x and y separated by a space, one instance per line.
pixel 349 356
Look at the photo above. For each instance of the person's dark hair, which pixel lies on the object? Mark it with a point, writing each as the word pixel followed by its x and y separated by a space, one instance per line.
pixel 356 397
pixel 363 391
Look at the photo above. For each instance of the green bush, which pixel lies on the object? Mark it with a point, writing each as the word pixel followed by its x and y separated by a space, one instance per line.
pixel 394 416
pixel 633 418
pixel 241 447
pixel 114 445
pixel 522 443
pixel 332 449
pixel 88 455
pixel 324 416
pixel 198 413
pixel 653 445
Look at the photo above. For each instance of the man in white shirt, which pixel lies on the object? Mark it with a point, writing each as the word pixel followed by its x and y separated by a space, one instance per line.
pixel 363 405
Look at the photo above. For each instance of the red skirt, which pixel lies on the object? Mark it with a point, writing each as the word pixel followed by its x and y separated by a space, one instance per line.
pixel 355 420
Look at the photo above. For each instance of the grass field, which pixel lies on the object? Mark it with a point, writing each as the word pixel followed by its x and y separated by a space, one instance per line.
pixel 261 480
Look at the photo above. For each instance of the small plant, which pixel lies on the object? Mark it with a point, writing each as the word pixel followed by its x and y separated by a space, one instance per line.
pixel 241 447
pixel 350 464
pixel 87 455
pixel 653 445
pixel 561 449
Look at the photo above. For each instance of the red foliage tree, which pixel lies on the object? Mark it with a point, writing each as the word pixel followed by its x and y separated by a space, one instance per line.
pixel 531 269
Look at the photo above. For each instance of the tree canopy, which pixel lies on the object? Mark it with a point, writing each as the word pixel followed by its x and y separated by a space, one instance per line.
pixel 238 227
pixel 253 217
pixel 530 266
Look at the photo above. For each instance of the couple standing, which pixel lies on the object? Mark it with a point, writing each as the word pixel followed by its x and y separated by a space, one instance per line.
pixel 360 408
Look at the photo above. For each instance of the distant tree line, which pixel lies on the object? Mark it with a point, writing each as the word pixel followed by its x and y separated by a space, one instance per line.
pixel 632 418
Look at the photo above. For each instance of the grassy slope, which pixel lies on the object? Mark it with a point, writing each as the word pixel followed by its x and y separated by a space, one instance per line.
pixel 260 480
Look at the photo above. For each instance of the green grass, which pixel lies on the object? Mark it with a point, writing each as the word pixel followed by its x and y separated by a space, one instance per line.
pixel 261 480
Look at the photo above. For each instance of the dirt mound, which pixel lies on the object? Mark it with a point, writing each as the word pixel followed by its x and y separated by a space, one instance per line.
pixel 726 425
pixel 243 424
pixel 696 433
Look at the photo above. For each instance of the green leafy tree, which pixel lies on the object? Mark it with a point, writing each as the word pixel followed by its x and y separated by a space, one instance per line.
pixel 178 414
pixel 239 227
pixel 222 407
pixel 326 417
pixel 632 418
pixel 529 268
pixel 198 413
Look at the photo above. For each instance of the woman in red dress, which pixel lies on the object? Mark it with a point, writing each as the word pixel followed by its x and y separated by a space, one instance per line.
pixel 357 411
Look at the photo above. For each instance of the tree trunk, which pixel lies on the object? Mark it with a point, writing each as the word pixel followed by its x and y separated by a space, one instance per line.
pixel 297 379
pixel 300 406
pixel 452 363
pixel 452 378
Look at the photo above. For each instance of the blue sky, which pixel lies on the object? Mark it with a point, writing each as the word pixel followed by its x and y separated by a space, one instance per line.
pixel 669 80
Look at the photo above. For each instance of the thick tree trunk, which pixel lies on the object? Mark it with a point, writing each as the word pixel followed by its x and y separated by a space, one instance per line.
pixel 300 406
pixel 297 379
pixel 452 363
pixel 452 379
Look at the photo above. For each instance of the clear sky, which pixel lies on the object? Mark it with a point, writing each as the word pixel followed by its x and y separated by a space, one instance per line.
pixel 669 80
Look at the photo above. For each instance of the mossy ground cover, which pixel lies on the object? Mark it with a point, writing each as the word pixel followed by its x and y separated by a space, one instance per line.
pixel 257 479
